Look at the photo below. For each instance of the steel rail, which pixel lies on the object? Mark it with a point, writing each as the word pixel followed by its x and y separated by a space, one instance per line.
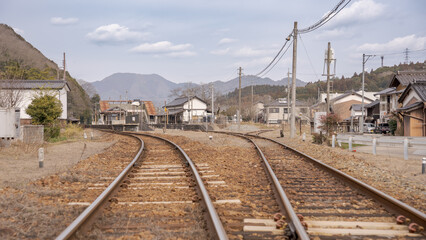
pixel 390 203
pixel 86 215
pixel 294 222
pixel 213 220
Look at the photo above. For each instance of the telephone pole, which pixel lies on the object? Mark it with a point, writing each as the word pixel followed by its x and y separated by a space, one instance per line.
pixel 251 109
pixel 212 120
pixel 64 68
pixel 293 84
pixel 328 76
pixel 288 96
pixel 239 100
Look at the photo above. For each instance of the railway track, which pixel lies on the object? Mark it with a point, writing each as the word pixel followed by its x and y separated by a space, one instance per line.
pixel 246 194
pixel 159 195
pixel 333 205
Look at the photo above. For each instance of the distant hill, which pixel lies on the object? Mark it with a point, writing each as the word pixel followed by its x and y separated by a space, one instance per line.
pixel 229 86
pixel 155 88
pixel 150 87
pixel 20 60
pixel 88 87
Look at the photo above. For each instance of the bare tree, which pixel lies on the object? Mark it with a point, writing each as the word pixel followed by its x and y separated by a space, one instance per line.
pixel 11 93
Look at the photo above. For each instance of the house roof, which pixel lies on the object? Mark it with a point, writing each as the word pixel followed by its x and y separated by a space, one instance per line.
pixel 150 109
pixel 33 84
pixel 372 104
pixel 352 92
pixel 104 105
pixel 277 103
pixel 411 107
pixel 356 107
pixel 386 91
pixel 418 87
pixel 181 101
pixel 406 77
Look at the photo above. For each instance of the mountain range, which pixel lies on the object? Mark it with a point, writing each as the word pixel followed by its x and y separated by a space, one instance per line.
pixel 156 88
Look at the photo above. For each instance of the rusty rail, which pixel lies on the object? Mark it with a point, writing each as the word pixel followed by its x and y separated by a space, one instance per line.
pixel 90 211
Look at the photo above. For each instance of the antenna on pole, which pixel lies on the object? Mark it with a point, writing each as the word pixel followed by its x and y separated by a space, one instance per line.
pixel 64 67
pixel 406 56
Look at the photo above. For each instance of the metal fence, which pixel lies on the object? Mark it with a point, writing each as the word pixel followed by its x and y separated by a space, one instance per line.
pixel 374 141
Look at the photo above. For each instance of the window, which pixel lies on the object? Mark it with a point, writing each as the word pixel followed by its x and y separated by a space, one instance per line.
pixel 274 110
pixel 285 110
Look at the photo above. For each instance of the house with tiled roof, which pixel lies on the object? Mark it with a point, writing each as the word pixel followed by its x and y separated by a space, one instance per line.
pixel 185 110
pixel 25 90
pixel 278 111
pixel 394 103
pixel 413 108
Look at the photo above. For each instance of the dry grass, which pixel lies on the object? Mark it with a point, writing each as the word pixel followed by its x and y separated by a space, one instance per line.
pixel 73 131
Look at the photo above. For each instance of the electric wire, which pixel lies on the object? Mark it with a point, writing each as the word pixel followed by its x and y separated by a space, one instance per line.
pixel 278 60
pixel 285 43
pixel 326 18
pixel 310 62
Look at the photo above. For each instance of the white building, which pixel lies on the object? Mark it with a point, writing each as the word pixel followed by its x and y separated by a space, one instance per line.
pixel 278 111
pixel 25 91
pixel 186 109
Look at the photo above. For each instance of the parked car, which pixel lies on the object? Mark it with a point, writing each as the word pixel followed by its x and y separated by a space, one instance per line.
pixel 382 128
pixel 369 128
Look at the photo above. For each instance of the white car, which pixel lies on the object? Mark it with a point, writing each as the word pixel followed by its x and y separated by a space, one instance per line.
pixel 369 128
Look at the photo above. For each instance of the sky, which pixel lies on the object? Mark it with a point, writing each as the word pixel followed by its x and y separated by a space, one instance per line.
pixel 204 41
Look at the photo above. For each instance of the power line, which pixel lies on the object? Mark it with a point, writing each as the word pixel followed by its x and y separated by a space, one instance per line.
pixel 310 62
pixel 277 60
pixel 326 18
pixel 279 52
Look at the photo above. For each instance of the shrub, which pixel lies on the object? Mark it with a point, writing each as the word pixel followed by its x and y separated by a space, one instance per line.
pixel 318 138
pixel 51 132
pixel 392 126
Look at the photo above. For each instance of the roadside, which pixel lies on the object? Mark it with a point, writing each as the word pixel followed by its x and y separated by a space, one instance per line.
pixel 19 163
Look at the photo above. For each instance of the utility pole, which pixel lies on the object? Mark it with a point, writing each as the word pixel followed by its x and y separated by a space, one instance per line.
pixel 251 108
pixel 64 68
pixel 239 100
pixel 212 120
pixel 382 59
pixel 328 76
pixel 166 116
pixel 288 96
pixel 293 84
pixel 361 121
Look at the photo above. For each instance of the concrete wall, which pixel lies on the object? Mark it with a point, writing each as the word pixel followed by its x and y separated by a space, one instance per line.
pixel 32 134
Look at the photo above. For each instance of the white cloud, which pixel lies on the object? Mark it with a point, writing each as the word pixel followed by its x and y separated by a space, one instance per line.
pixel 250 52
pixel 360 11
pixel 226 40
pixel 18 31
pixel 166 48
pixel 397 44
pixel 221 51
pixel 63 21
pixel 114 33
pixel 334 34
